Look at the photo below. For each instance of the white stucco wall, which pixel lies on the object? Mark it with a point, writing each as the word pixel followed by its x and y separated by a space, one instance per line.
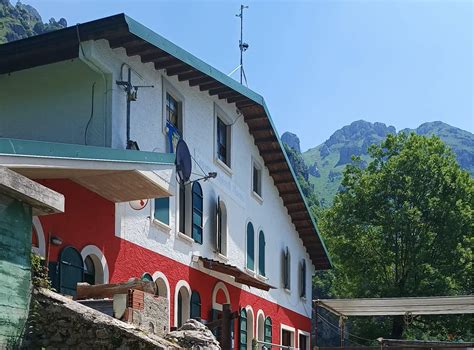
pixel 64 110
pixel 234 189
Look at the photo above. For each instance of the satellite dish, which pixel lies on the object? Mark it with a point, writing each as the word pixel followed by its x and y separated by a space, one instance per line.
pixel 183 161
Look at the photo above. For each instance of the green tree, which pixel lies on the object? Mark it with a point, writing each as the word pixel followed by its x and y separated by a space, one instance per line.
pixel 403 226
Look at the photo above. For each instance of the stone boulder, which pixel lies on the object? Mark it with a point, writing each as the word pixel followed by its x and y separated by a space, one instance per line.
pixel 194 335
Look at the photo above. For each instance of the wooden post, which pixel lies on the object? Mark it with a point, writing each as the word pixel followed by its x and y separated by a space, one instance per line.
pixel 225 327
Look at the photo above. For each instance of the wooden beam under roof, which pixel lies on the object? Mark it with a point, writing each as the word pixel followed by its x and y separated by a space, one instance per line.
pixel 237 99
pixel 219 90
pixel 154 56
pixel 199 81
pixel 265 139
pixel 172 62
pixel 244 104
pixel 229 94
pixel 191 75
pixel 181 69
pixel 209 85
pixel 128 40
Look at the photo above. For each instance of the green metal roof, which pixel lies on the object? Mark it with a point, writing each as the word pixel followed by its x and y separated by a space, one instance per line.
pixel 40 149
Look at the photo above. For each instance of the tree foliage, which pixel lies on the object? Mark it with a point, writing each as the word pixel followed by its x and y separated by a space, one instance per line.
pixel 403 226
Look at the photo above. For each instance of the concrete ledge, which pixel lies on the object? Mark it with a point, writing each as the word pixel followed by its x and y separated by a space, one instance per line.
pixel 43 200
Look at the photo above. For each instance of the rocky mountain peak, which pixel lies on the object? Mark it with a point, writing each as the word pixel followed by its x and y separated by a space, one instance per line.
pixel 292 140
pixel 359 129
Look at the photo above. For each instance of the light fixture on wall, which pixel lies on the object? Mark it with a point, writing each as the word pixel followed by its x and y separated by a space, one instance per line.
pixel 55 240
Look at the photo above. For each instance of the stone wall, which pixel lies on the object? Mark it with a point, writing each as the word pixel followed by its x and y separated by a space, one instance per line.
pixel 58 322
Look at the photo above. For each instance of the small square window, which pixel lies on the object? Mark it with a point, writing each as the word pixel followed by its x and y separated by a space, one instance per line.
pixel 223 142
pixel 173 114
pixel 257 179
pixel 162 210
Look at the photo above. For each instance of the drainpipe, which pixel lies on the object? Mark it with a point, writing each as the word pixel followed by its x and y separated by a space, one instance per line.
pixel 86 55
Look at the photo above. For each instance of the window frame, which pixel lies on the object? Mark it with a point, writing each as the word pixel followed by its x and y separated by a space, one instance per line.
pixel 193 304
pixel 221 228
pixel 286 270
pixel 162 225
pixel 284 327
pixel 261 253
pixel 194 208
pixel 256 165
pixel 168 88
pixel 219 114
pixel 249 223
pixel 303 272
pixel 308 339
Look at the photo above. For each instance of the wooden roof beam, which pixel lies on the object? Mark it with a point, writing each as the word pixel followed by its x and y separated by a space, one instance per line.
pixel 228 94
pixel 256 117
pixel 238 99
pixel 182 69
pixel 191 75
pixel 283 181
pixel 219 90
pixel 121 41
pixel 266 139
pixel 199 81
pixel 154 56
pixel 245 103
pixel 168 63
pixel 209 85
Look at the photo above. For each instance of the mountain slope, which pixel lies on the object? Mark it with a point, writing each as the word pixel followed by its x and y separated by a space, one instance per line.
pixel 326 162
pixel 22 21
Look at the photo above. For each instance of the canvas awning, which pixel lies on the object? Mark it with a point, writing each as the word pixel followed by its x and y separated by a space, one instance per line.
pixel 239 275
pixel 443 305
pixel 115 174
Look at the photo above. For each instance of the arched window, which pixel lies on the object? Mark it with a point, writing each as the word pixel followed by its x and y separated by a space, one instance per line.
pixel 268 330
pixel 197 212
pixel 195 305
pixel 261 253
pixel 243 330
pixel 260 333
pixel 303 279
pixel 147 277
pixel 182 303
pixel 89 270
pixel 286 271
pixel 221 227
pixel 250 247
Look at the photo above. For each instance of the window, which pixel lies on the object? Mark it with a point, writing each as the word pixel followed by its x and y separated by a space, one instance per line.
pixel 268 330
pixel 173 115
pixel 261 253
pixel 221 227
pixel 182 208
pixel 286 269
pixel 195 306
pixel 287 336
pixel 197 212
pixel 303 341
pixel 257 179
pixel 303 279
pixel 243 330
pixel 162 210
pixel 147 277
pixel 89 270
pixel 223 142
pixel 182 304
pixel 250 247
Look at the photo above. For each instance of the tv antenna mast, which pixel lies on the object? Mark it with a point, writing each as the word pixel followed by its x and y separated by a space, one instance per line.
pixel 243 46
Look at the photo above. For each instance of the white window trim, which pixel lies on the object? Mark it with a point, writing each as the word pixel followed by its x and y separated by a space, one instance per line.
pixel 258 165
pixel 287 328
pixel 219 112
pixel 257 328
pixel 307 335
pixel 250 271
pixel 160 275
pixel 219 285
pixel 167 87
pixel 41 249
pixel 226 234
pixel 179 285
pixel 94 250
pixel 161 225
pixel 257 263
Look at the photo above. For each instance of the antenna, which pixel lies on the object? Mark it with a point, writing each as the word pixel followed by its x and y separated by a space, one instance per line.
pixel 242 46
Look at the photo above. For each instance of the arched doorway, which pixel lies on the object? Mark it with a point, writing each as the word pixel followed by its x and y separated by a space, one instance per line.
pixel 182 303
pixel 260 326
pixel 71 270
pixel 96 270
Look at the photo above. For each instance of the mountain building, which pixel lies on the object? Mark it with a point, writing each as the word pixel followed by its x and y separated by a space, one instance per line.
pixel 95 112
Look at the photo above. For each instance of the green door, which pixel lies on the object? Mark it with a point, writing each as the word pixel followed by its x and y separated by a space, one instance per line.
pixel 71 270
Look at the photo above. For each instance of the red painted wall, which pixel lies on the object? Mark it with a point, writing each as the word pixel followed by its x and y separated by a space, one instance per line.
pixel 89 219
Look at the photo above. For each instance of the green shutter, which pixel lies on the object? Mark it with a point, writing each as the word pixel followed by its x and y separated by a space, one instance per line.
pixel 261 253
pixel 162 210
pixel 303 279
pixel 268 330
pixel 197 204
pixel 195 306
pixel 250 246
pixel 243 330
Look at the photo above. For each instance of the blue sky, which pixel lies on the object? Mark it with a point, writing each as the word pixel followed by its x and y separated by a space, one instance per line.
pixel 322 64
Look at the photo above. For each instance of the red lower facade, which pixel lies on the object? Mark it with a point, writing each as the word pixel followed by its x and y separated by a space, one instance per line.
pixel 90 220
